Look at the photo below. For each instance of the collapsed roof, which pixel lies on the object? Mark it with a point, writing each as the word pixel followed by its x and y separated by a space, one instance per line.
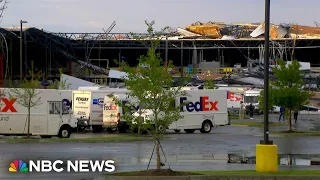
pixel 220 30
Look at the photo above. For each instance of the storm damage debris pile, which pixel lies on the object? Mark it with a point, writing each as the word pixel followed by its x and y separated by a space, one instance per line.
pixel 220 30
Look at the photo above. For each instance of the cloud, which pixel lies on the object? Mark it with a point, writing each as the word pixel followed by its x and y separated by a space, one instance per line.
pixel 95 24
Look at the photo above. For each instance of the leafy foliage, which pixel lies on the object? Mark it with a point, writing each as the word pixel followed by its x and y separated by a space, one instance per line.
pixel 286 90
pixel 151 88
pixel 209 85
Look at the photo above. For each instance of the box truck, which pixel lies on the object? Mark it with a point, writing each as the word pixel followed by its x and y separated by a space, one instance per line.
pixel 203 110
pixel 112 112
pixel 87 107
pixel 49 118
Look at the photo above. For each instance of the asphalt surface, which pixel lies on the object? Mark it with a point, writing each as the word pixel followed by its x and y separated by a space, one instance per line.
pixel 183 151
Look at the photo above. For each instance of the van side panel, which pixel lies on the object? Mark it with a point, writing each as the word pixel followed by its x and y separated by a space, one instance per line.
pixel 202 105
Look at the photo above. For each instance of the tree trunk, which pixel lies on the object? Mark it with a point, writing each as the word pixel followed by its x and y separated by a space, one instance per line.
pixel 158 155
pixel 139 123
pixel 290 124
pixel 28 128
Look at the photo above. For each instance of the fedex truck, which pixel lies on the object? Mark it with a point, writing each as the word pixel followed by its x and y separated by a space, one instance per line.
pixel 204 110
pixel 87 107
pixel 112 112
pixel 49 118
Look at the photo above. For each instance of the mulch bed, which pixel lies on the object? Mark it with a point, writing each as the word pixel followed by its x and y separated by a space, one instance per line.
pixel 153 172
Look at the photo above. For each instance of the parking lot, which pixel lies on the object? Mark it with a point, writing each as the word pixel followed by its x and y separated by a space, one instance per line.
pixel 183 151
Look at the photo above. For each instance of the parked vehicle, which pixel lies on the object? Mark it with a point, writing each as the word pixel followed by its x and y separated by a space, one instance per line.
pixel 112 112
pixel 204 110
pixel 87 107
pixel 49 118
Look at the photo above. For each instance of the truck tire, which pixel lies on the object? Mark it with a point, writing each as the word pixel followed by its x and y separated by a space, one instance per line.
pixel 189 131
pixel 97 129
pixel 64 132
pixel 177 130
pixel 112 130
pixel 206 127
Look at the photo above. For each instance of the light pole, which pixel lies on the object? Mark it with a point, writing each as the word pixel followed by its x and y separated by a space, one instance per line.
pixel 21 55
pixel 266 151
pixel 266 140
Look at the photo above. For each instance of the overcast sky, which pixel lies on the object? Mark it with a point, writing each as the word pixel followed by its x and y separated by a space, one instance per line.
pixel 93 15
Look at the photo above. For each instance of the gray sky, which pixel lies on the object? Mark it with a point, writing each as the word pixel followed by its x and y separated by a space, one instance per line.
pixel 93 15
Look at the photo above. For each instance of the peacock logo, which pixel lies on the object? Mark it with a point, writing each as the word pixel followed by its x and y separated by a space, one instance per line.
pixel 18 166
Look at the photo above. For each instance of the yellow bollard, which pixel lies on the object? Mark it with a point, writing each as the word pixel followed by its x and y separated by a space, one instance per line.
pixel 266 158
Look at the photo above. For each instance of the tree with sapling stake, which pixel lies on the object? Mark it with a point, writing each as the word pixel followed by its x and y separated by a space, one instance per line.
pixel 152 87
pixel 286 90
pixel 26 94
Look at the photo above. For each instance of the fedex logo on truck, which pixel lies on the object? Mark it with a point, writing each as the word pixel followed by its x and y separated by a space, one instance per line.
pixel 110 107
pixel 204 104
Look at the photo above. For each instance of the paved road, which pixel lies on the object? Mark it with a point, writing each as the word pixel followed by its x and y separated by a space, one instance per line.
pixel 184 151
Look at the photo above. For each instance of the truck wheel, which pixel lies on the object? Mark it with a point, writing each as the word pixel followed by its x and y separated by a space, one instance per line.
pixel 64 132
pixel 206 127
pixel 177 130
pixel 189 131
pixel 112 130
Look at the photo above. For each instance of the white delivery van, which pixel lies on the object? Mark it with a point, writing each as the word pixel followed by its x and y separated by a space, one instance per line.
pixel 112 112
pixel 87 107
pixel 252 97
pixel 204 109
pixel 49 118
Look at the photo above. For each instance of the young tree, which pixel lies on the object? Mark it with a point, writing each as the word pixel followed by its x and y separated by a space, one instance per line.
pixel 261 99
pixel 152 86
pixel 26 94
pixel 286 90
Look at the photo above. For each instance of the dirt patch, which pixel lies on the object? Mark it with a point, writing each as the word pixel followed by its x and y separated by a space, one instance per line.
pixel 153 172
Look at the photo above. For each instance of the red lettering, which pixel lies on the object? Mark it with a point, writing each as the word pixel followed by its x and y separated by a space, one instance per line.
pixel 205 103
pixel 9 105
pixel 213 106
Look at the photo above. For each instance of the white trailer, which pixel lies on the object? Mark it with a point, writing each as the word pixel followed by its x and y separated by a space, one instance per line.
pixel 204 109
pixel 87 107
pixel 49 118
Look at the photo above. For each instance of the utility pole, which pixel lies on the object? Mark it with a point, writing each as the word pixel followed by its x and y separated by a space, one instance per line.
pixel 266 140
pixel 181 58
pixel 21 50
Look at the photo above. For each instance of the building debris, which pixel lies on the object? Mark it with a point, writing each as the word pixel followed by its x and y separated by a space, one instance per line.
pixel 220 30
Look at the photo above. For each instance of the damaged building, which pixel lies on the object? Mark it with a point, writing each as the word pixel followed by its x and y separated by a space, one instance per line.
pixel 195 45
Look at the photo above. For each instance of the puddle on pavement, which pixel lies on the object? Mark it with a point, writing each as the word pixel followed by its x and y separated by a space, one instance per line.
pixel 283 159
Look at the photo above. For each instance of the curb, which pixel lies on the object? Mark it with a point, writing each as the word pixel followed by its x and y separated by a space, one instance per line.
pixel 215 177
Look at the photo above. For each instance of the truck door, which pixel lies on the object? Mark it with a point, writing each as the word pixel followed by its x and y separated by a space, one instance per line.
pixel 54 117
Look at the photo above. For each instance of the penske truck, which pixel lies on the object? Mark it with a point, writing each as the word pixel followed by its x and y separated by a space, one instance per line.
pixel 87 107
pixel 48 118
pixel 204 109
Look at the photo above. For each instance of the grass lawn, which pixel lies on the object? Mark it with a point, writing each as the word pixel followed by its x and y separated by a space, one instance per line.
pixel 233 116
pixel 253 172
pixel 258 124
pixel 298 133
pixel 80 140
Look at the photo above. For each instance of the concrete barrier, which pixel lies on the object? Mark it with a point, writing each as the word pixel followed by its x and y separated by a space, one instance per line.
pixel 215 177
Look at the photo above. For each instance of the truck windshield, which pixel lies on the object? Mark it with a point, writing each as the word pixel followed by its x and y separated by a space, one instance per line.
pixel 250 99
